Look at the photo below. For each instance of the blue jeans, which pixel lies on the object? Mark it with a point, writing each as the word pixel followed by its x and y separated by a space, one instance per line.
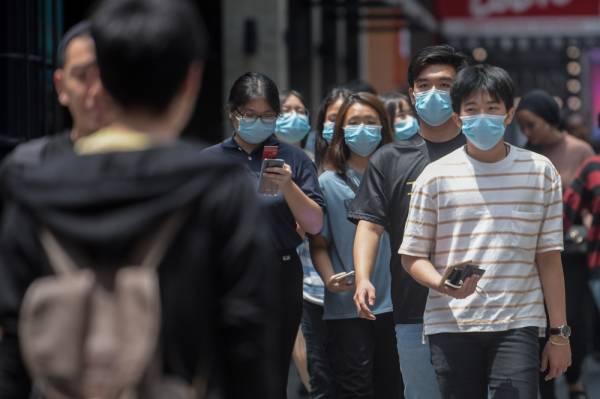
pixel 415 363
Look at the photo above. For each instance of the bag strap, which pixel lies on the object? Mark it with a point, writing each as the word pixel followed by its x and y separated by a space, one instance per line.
pixel 154 250
pixel 348 181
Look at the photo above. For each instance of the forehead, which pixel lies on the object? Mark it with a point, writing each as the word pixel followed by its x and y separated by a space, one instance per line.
pixel 258 105
pixel 481 97
pixel 360 109
pixel 293 101
pixel 437 71
pixel 80 50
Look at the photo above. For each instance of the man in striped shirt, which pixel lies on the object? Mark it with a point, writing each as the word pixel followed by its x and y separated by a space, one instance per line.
pixel 500 208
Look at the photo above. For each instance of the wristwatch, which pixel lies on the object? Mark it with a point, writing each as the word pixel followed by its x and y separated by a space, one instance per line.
pixel 561 331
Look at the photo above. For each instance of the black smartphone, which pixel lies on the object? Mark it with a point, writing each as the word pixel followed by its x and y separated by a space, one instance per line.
pixel 265 186
pixel 457 275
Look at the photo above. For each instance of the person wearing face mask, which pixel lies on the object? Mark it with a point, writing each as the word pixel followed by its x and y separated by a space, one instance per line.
pixel 326 123
pixel 499 208
pixel 538 115
pixel 293 125
pixel 253 110
pixel 381 205
pixel 362 352
pixel 401 115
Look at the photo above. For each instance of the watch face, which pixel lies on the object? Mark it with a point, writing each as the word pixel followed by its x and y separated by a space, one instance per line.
pixel 565 331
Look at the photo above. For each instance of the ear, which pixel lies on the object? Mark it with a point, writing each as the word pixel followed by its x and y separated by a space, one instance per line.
pixel 411 95
pixel 509 116
pixel 59 81
pixel 456 119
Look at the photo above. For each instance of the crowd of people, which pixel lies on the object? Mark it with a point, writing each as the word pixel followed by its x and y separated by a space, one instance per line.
pixel 332 240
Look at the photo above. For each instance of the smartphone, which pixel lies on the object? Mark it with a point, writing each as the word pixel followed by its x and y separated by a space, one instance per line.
pixel 270 151
pixel 265 186
pixel 456 275
pixel 349 277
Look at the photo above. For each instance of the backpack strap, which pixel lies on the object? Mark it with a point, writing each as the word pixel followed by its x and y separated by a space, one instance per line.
pixel 156 248
pixel 60 261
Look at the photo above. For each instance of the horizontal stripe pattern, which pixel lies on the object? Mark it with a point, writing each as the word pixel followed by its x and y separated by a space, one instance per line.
pixel 499 216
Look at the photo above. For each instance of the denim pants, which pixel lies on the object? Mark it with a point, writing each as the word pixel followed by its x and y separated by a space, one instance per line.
pixel 415 363
pixel 497 365
pixel 319 367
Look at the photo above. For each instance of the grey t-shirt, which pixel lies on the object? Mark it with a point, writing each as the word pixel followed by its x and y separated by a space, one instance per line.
pixel 340 232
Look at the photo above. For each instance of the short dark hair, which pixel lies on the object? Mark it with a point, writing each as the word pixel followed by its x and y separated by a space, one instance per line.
pixel 492 79
pixel 321 145
pixel 339 152
pixel 144 49
pixel 391 101
pixel 250 86
pixel 80 29
pixel 358 86
pixel 435 55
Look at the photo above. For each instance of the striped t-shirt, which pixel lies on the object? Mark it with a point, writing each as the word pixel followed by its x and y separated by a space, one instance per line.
pixel 497 215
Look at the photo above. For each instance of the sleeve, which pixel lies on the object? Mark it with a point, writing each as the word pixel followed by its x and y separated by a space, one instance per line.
pixel 578 197
pixel 371 203
pixel 306 178
pixel 419 232
pixel 17 271
pixel 551 231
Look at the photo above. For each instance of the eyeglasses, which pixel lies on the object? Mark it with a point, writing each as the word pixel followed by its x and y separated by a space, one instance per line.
pixel 251 117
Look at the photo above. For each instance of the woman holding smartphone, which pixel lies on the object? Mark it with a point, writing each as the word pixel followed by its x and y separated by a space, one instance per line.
pixel 362 352
pixel 253 107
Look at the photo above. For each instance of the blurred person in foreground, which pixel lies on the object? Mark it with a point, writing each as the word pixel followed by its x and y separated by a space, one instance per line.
pixel 121 182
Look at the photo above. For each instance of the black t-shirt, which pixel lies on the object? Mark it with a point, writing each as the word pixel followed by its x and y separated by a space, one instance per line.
pixel 384 197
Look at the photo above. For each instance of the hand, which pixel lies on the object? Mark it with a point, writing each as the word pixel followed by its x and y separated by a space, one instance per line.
pixel 468 288
pixel 338 283
pixel 556 359
pixel 364 298
pixel 282 177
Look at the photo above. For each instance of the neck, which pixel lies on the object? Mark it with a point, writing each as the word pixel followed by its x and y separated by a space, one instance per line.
pixel 159 129
pixel 439 134
pixel 358 163
pixel 247 147
pixel 555 137
pixel 77 133
pixel 496 154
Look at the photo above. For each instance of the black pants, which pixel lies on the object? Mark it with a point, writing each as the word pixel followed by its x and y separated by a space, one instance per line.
pixel 506 363
pixel 319 366
pixel 364 357
pixel 577 296
pixel 288 309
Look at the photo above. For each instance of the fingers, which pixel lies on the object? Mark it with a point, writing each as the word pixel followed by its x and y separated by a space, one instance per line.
pixel 544 362
pixel 361 306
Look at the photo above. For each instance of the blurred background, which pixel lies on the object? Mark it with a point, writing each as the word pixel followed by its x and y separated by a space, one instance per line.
pixel 312 45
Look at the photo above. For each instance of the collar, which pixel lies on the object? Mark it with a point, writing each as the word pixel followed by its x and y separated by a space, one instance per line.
pixel 112 140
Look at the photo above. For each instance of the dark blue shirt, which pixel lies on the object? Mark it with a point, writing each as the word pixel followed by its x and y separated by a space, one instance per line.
pixel 281 221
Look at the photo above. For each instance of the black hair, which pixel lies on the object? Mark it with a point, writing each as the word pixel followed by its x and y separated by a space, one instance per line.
pixel 542 104
pixel 492 79
pixel 391 102
pixel 250 86
pixel 359 86
pixel 144 49
pixel 80 29
pixel 435 55
pixel 320 144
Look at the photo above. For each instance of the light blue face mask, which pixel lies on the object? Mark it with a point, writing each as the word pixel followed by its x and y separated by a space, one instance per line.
pixel 433 106
pixel 328 131
pixel 484 131
pixel 362 139
pixel 292 127
pixel 255 132
pixel 406 128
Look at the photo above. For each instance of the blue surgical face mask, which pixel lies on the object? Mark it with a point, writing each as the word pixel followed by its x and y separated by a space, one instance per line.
pixel 406 128
pixel 433 106
pixel 255 132
pixel 483 131
pixel 328 131
pixel 292 127
pixel 362 139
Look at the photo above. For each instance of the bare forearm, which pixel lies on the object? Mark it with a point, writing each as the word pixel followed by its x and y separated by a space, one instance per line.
pixel 307 212
pixel 321 260
pixel 553 286
pixel 423 271
pixel 366 246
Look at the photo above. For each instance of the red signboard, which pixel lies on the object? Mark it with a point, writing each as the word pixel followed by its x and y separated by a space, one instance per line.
pixel 516 8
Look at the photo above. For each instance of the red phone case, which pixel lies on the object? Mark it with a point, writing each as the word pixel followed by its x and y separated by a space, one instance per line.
pixel 270 152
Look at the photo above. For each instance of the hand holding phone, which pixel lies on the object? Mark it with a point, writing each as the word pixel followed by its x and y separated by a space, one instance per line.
pixel 460 280
pixel 341 282
pixel 267 185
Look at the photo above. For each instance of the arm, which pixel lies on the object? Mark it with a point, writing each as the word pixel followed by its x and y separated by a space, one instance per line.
pixel 366 246
pixel 555 357
pixel 322 263
pixel 306 211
